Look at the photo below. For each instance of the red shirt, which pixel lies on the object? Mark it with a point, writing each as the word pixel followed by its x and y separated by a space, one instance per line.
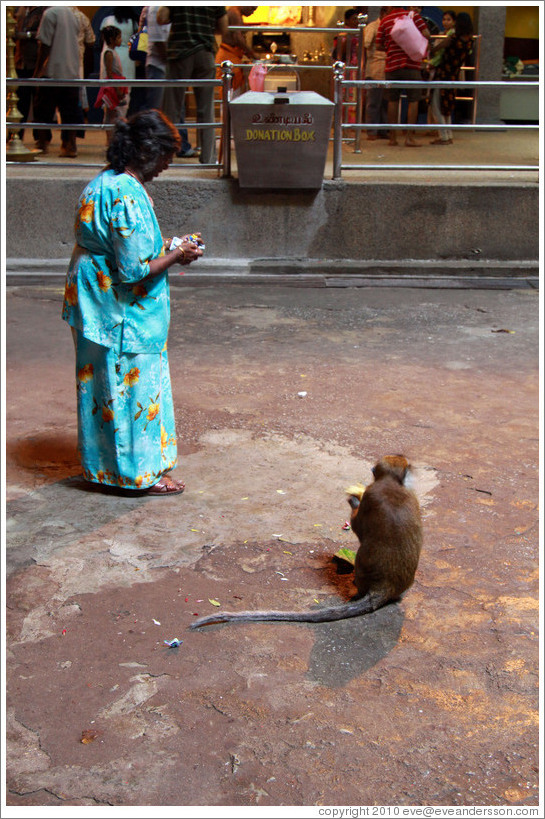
pixel 395 56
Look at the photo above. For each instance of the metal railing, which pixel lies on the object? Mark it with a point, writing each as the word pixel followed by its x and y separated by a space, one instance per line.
pixel 350 34
pixel 339 126
pixel 16 153
pixel 224 83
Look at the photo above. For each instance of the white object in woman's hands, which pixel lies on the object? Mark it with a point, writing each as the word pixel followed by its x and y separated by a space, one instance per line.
pixel 193 238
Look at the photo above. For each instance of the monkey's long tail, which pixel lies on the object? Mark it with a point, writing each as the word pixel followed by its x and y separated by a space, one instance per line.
pixel 363 605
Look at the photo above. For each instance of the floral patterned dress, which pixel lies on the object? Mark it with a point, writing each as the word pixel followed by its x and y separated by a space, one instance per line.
pixel 454 57
pixel 120 315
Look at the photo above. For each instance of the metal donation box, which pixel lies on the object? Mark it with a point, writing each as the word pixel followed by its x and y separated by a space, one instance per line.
pixel 281 138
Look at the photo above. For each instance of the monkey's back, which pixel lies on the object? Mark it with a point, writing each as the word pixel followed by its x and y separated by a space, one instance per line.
pixel 389 527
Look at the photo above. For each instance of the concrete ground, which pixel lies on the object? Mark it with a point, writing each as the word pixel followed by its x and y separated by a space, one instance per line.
pixel 430 701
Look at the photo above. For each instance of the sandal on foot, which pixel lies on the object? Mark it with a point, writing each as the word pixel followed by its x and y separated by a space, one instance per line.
pixel 441 142
pixel 166 486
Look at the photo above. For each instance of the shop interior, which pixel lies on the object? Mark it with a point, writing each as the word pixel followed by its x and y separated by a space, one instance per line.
pixel 275 41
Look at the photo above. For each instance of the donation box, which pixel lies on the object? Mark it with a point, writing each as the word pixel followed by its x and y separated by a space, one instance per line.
pixel 281 139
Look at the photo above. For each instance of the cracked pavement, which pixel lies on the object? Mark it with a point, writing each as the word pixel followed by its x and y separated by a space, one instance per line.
pixel 430 701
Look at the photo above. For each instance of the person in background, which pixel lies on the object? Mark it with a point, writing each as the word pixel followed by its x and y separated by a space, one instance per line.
pixel 118 305
pixel 234 47
pixel 339 51
pixel 456 49
pixel 156 67
pixel 27 23
pixel 111 68
pixel 58 59
pixel 126 19
pixel 139 95
pixel 399 66
pixel 96 23
pixel 86 39
pixel 435 57
pixel 190 55
pixel 156 61
pixel 437 46
pixel 345 49
pixel 375 61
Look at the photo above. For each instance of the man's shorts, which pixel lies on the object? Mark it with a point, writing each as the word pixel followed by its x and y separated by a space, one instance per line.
pixel 412 74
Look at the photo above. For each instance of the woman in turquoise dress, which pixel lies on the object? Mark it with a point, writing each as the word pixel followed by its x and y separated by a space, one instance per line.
pixel 118 305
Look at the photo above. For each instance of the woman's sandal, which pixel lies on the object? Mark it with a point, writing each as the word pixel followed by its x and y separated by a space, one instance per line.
pixel 164 487
pixel 441 142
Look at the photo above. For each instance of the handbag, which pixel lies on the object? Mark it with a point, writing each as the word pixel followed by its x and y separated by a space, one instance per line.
pixel 138 45
pixel 407 36
pixel 110 96
pixel 256 78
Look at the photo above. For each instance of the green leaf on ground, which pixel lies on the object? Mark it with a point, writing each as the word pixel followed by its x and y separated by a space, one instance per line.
pixel 348 555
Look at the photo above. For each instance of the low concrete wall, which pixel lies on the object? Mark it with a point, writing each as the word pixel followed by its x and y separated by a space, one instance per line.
pixel 360 223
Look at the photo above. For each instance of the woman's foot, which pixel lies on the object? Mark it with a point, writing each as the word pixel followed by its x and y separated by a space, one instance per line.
pixel 441 142
pixel 166 486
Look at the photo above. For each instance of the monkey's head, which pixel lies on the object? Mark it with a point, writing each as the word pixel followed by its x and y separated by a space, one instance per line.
pixel 394 466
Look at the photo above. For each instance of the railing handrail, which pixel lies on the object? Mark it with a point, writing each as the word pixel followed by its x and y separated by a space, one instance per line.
pixel 301 29
pixel 48 81
pixel 340 83
pixel 434 83
pixel 96 82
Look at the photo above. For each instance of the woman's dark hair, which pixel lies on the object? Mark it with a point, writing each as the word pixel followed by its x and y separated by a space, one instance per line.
pixel 141 141
pixel 125 13
pixel 464 25
pixel 110 34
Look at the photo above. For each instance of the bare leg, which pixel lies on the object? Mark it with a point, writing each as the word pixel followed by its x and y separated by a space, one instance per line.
pixel 392 118
pixel 412 116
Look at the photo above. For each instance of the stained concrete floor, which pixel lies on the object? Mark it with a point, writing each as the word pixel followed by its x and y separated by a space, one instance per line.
pixel 430 701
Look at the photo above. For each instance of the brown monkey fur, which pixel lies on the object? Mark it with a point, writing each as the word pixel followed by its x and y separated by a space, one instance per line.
pixel 387 523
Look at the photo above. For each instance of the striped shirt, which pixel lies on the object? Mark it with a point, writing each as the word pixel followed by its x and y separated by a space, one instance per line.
pixel 192 30
pixel 395 56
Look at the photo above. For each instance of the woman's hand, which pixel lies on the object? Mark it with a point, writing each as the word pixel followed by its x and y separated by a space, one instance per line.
pixel 187 252
pixel 184 252
pixel 190 251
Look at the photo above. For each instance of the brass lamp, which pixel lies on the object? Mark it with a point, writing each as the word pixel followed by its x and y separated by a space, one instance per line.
pixel 15 150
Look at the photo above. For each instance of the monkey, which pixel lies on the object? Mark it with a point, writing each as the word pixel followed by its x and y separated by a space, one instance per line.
pixel 386 519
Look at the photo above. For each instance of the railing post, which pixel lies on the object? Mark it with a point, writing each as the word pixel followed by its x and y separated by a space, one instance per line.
pixel 227 81
pixel 362 22
pixel 338 76
pixel 476 64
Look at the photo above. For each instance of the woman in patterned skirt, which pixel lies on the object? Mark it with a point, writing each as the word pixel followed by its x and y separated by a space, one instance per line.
pixel 117 303
pixel 455 49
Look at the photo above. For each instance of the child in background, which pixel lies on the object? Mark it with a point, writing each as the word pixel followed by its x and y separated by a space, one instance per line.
pixel 438 46
pixel 115 104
